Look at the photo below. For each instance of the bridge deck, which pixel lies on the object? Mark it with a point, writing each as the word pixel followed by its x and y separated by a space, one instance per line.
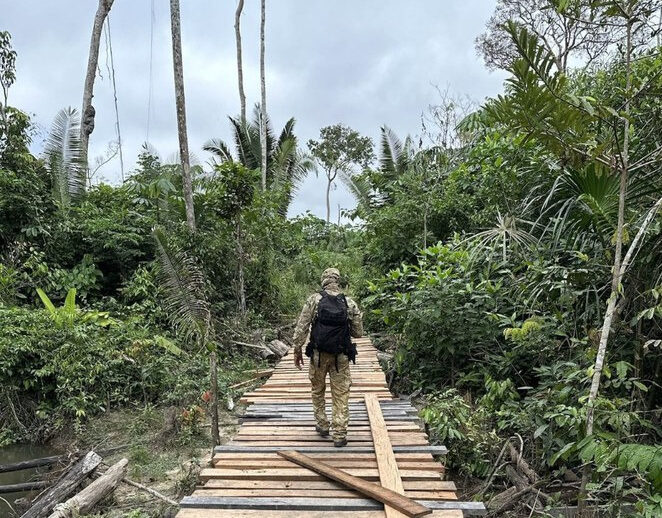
pixel 249 479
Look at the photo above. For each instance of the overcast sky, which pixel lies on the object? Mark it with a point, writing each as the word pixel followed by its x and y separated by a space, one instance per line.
pixel 363 63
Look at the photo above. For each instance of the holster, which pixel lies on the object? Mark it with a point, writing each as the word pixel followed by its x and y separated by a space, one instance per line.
pixel 309 350
pixel 351 352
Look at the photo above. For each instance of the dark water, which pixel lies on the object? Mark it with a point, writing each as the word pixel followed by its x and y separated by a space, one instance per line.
pixel 18 453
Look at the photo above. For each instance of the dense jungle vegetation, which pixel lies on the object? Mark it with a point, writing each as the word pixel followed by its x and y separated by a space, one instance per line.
pixel 510 259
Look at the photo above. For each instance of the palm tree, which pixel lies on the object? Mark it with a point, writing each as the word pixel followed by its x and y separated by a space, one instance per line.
pixel 65 159
pixel 286 165
pixel 240 68
pixel 188 309
pixel 395 157
pixel 181 112
pixel 88 89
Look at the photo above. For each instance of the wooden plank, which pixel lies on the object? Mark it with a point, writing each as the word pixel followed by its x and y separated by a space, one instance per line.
pixel 323 484
pixel 329 504
pixel 384 495
pixel 389 476
pixel 255 513
pixel 306 474
pixel 328 493
pixel 434 450
pixel 339 463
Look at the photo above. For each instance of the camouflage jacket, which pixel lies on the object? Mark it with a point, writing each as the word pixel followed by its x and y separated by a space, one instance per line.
pixel 310 310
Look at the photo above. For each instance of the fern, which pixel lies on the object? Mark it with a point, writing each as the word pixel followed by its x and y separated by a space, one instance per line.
pixel 184 285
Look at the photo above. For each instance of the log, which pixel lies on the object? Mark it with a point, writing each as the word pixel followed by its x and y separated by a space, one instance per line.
pixel 267 354
pixel 522 465
pixel 64 487
pixel 24 486
pixel 279 348
pixel 501 499
pixel 54 459
pixel 386 496
pixel 518 480
pixel 28 464
pixel 84 501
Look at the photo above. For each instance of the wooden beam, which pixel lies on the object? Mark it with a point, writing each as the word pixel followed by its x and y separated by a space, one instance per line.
pixel 389 476
pixel 388 497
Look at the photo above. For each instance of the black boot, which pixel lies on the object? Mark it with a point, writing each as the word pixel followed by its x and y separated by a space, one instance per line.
pixel 322 431
pixel 340 443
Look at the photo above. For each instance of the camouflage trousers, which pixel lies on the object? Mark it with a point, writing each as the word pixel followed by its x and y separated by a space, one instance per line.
pixel 340 381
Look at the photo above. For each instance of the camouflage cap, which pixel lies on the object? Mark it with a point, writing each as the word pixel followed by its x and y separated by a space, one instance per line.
pixel 330 276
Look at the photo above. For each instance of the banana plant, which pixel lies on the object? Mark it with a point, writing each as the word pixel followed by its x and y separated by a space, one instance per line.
pixel 69 314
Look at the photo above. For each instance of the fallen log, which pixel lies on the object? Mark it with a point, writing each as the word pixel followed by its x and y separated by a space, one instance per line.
pixel 84 501
pixel 28 464
pixel 53 459
pixel 24 486
pixel 522 465
pixel 64 487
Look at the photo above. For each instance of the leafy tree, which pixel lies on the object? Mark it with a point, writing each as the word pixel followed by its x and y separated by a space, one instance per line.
pixel 7 78
pixel 574 34
pixel 339 150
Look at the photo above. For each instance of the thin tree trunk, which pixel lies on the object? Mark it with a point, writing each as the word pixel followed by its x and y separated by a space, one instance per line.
pixel 240 67
pixel 617 272
pixel 241 289
pixel 263 105
pixel 213 374
pixel 87 111
pixel 425 227
pixel 181 112
pixel 328 197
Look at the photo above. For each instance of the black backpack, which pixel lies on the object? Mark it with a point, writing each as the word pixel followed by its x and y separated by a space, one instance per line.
pixel 330 329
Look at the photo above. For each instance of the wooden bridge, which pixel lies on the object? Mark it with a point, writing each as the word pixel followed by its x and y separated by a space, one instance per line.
pixel 386 446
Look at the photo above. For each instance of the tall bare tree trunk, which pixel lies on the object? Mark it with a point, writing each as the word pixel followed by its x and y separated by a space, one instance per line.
pixel 240 67
pixel 329 181
pixel 213 375
pixel 263 105
pixel 617 271
pixel 181 112
pixel 241 289
pixel 87 111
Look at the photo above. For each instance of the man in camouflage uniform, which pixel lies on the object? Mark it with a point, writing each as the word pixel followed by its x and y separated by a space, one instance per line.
pixel 322 363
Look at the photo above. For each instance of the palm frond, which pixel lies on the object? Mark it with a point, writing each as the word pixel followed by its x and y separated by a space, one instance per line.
pixel 183 282
pixel 219 149
pixel 64 157
pixel 395 155
pixel 505 235
pixel 358 186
